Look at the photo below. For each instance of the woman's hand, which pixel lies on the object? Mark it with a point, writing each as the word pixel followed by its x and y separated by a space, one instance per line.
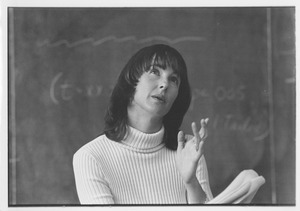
pixel 189 152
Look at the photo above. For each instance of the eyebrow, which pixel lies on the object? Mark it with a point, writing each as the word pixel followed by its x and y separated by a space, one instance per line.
pixel 158 65
pixel 161 67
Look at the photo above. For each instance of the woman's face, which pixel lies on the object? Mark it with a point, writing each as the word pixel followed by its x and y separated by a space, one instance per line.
pixel 156 91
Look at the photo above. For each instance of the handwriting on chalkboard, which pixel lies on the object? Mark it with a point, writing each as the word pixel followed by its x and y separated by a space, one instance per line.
pixel 93 42
pixel 220 93
pixel 63 90
pixel 259 129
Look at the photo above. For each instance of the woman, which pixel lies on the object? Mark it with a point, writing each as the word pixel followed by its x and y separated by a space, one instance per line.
pixel 142 157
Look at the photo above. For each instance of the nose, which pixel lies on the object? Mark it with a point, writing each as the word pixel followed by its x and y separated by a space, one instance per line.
pixel 164 84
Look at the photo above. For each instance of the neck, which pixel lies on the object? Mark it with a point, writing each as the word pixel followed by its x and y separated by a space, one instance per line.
pixel 144 123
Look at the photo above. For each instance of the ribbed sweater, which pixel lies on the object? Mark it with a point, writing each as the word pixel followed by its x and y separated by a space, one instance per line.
pixel 137 170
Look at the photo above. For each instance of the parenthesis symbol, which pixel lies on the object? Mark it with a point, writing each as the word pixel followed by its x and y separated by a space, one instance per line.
pixel 52 88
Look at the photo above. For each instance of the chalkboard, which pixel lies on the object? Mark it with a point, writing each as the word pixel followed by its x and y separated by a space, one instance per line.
pixel 64 63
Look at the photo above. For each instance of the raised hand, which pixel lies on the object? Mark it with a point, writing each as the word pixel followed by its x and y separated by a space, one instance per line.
pixel 189 152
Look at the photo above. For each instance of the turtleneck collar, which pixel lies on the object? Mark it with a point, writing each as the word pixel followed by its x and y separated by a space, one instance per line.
pixel 143 141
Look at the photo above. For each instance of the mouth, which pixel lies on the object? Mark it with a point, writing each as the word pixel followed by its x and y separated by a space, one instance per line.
pixel 159 98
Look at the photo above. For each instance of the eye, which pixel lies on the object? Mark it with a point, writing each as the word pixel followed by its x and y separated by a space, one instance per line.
pixel 175 80
pixel 154 71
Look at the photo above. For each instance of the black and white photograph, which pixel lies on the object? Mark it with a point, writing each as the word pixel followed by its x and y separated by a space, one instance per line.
pixel 149 106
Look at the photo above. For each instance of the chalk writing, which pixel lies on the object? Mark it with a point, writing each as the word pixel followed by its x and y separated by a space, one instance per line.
pixel 220 93
pixel 259 128
pixel 63 90
pixel 93 42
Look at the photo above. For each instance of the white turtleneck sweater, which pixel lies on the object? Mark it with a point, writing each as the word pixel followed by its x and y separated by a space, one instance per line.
pixel 138 170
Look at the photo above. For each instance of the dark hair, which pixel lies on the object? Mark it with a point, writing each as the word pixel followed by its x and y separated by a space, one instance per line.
pixel 124 90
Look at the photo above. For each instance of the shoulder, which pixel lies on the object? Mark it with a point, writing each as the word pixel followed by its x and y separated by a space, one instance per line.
pixel 94 148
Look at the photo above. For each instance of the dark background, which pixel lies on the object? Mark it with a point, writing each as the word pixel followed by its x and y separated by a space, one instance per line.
pixel 63 64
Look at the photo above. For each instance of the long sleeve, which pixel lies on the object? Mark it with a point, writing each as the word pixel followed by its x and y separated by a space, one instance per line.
pixel 138 170
pixel 90 182
pixel 203 178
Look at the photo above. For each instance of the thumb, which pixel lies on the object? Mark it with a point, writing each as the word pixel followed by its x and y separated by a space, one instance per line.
pixel 180 139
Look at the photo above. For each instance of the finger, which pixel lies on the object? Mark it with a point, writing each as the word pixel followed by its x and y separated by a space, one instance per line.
pixel 195 132
pixel 180 139
pixel 206 121
pixel 201 148
pixel 203 130
pixel 203 123
pixel 196 135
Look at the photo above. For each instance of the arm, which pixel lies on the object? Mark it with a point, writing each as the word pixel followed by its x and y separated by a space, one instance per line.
pixel 195 193
pixel 90 183
pixel 203 178
pixel 187 160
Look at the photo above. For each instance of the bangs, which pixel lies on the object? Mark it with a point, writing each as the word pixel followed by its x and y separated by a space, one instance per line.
pixel 163 59
pixel 159 55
